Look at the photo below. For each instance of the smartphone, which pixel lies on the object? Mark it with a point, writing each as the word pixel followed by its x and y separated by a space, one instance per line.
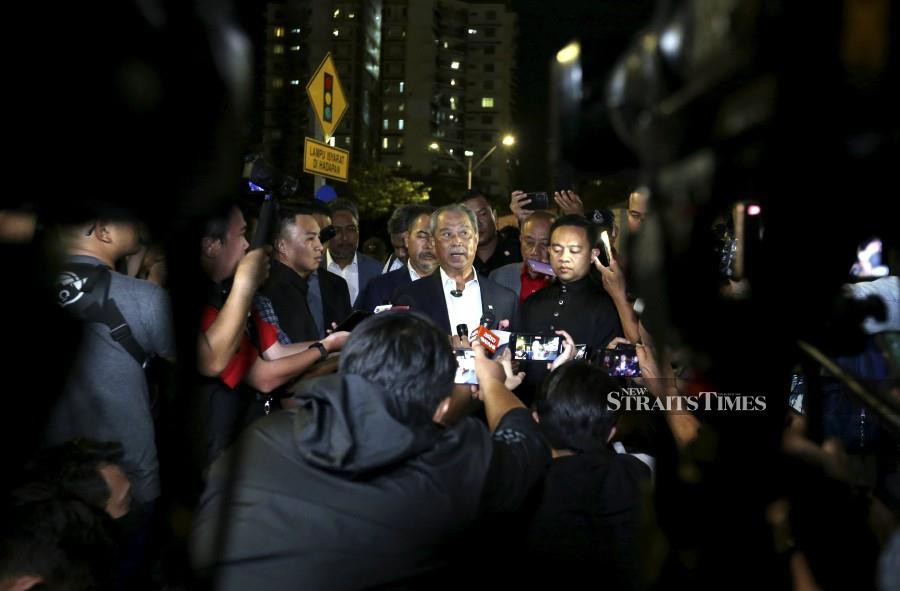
pixel 465 366
pixel 538 201
pixel 350 322
pixel 868 263
pixel 607 248
pixel 542 268
pixel 582 352
pixel 622 361
pixel 535 347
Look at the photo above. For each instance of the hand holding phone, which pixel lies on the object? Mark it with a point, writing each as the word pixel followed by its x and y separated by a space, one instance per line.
pixel 622 361
pixel 542 268
pixel 350 322
pixel 535 347
pixel 539 200
pixel 465 366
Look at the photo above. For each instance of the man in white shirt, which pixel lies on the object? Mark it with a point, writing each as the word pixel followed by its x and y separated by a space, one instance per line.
pixel 457 294
pixel 342 257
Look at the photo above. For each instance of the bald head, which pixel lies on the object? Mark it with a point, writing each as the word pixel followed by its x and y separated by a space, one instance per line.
pixel 637 208
pixel 534 239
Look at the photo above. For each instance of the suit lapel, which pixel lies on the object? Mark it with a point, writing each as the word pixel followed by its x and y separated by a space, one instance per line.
pixel 438 303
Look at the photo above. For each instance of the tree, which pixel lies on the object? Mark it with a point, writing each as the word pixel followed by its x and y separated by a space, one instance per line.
pixel 378 190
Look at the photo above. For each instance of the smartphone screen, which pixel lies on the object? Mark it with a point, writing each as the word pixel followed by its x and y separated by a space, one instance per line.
pixel 536 347
pixel 538 201
pixel 581 352
pixel 465 366
pixel 607 248
pixel 868 260
pixel 542 268
pixel 622 361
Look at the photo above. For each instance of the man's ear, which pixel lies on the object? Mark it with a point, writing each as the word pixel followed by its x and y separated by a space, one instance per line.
pixel 535 416
pixel 441 411
pixel 595 253
pixel 280 247
pixel 612 434
pixel 210 247
pixel 102 232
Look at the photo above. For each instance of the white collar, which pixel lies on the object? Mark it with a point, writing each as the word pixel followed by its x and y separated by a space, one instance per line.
pixel 446 280
pixel 412 273
pixel 330 261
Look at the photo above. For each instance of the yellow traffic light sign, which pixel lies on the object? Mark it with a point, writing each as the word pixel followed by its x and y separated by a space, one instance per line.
pixel 327 96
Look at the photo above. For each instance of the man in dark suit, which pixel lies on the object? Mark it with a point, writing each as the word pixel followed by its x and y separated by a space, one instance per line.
pixel 421 261
pixel 297 253
pixel 342 257
pixel 456 294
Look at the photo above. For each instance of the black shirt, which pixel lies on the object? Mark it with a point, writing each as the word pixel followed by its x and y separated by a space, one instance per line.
pixel 581 308
pixel 287 291
pixel 507 251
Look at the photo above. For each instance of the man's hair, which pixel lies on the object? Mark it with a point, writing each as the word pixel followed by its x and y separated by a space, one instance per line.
pixel 50 534
pixel 287 215
pixel 578 221
pixel 215 226
pixel 473 194
pixel 404 216
pixel 344 205
pixel 573 408
pixel 452 208
pixel 538 215
pixel 75 465
pixel 317 207
pixel 405 354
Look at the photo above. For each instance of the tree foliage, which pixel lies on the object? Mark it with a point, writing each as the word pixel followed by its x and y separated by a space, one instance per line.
pixel 377 190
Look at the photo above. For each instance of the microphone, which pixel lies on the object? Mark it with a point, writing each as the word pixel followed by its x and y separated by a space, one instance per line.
pixel 488 318
pixel 457 293
pixel 485 336
pixel 462 331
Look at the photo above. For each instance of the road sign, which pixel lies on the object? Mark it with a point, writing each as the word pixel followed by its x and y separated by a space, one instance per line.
pixel 320 158
pixel 326 95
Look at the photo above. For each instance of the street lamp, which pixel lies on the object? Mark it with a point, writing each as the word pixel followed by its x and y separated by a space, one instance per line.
pixel 508 141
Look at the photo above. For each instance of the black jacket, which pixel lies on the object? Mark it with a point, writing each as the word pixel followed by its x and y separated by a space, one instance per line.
pixel 287 292
pixel 346 492
pixel 427 296
pixel 381 289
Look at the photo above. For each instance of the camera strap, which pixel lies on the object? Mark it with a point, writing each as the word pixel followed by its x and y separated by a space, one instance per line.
pixel 83 290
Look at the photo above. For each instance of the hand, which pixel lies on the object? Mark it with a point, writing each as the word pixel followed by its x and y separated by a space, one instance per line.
pixel 252 270
pixel 516 205
pixel 513 379
pixel 569 202
pixel 332 329
pixel 335 341
pixel 613 279
pixel 617 341
pixel 458 342
pixel 504 324
pixel 568 352
pixel 487 369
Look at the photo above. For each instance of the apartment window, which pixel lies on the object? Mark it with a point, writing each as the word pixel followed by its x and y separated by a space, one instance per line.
pixel 295 48
pixel 489 85
pixel 490 32
pixel 487 120
pixel 402 86
pixel 278 49
pixel 473 31
pixel 279 31
pixel 385 124
pixel 384 143
pixel 277 82
pixel 487 102
pixel 295 83
pixel 489 67
pixel 399 142
pixel 485 137
pixel 491 15
pixel 453 82
pixel 454 65
pixel 402 107
pixel 453 103
pixel 295 31
pixel 400 124
pixel 336 32
pixel 489 50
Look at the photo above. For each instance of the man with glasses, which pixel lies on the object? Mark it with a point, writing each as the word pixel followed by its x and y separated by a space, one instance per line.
pixel 456 293
pixel 342 257
pixel 421 260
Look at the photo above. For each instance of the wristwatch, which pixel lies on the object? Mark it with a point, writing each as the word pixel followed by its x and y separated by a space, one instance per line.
pixel 322 350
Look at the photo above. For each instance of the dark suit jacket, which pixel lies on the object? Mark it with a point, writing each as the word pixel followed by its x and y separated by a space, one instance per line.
pixel 368 269
pixel 380 290
pixel 427 295
pixel 335 297
pixel 287 292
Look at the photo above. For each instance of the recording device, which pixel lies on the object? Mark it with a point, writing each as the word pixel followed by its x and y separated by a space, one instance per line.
pixel 263 176
pixel 542 268
pixel 582 352
pixel 536 347
pixel 607 248
pixel 465 366
pixel 622 361
pixel 350 322
pixel 538 201
pixel 326 234
pixel 462 331
pixel 868 263
pixel 265 225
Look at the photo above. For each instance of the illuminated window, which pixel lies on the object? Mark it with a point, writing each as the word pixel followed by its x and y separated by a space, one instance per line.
pixel 385 124
pixel 351 15
pixel 446 45
pixel 402 86
pixel 337 13
pixel 453 103
pixel 384 143
pixel 400 124
pixel 279 31
pixel 402 107
pixel 473 31
pixel 295 48
pixel 295 83
pixel 487 102
pixel 295 31
pixel 277 82
pixel 278 49
pixel 335 32
pixel 453 82
pixel 454 65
